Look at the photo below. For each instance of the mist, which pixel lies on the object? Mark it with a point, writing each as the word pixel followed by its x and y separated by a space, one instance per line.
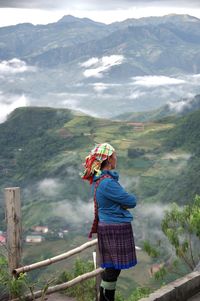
pixel 90 90
pixel 77 212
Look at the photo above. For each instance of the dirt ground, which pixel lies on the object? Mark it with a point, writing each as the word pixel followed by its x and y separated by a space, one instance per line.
pixel 58 297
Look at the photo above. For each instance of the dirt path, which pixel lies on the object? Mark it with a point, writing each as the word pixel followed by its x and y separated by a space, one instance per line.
pixel 58 297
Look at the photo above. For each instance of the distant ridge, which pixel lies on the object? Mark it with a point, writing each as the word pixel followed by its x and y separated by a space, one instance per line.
pixel 71 19
pixel 177 108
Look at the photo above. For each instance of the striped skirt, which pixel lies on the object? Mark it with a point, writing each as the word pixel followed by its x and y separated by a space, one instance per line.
pixel 116 246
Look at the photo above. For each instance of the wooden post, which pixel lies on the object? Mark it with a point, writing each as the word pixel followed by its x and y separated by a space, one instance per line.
pixel 14 227
pixel 98 277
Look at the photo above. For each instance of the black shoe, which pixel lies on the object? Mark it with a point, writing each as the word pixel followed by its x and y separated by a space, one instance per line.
pixel 107 295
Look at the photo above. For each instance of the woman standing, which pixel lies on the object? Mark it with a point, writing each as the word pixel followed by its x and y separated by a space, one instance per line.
pixel 112 221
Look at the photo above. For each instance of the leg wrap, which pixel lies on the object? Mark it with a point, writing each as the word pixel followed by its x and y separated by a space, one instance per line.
pixel 108 284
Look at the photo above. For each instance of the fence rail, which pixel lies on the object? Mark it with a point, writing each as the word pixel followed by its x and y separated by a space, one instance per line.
pixel 14 239
pixel 57 258
pixel 63 286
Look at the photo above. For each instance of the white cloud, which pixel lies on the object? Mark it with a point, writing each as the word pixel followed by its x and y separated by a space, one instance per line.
pixel 156 81
pixel 14 66
pixel 102 65
pixel 179 106
pixel 50 187
pixel 8 103
pixel 196 76
pixel 100 87
pixel 176 156
pixel 156 210
pixel 73 104
pixel 147 222
pixel 90 62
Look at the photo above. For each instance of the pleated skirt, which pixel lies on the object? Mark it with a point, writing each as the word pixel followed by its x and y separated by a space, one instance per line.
pixel 116 246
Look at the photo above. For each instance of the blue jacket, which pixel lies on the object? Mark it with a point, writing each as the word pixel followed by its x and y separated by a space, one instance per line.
pixel 113 200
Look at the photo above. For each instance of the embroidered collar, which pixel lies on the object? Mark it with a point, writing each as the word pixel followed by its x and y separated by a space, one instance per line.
pixel 112 173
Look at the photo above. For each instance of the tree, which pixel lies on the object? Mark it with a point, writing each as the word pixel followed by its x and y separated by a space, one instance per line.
pixel 181 226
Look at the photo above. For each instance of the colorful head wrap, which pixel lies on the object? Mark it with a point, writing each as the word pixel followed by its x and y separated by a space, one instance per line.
pixel 93 162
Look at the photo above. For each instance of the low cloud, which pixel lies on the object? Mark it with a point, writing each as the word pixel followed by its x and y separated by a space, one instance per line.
pixel 179 106
pixel 8 103
pixel 77 212
pixel 136 94
pixel 96 97
pixel 148 210
pixel 90 62
pixel 101 65
pixel 156 81
pixel 14 66
pixel 100 87
pixel 147 221
pixel 50 187
pixel 73 104
pixel 176 156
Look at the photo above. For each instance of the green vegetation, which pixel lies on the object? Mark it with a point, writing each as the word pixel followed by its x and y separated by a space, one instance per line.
pixel 186 134
pixel 159 163
pixel 15 287
pixel 181 227
pixel 84 291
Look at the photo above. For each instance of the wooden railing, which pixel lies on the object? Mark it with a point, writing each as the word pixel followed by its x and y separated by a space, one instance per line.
pixel 14 246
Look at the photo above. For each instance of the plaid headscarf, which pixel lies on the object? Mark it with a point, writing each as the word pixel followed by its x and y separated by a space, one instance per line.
pixel 93 162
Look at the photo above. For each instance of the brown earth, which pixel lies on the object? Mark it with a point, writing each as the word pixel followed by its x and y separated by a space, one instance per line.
pixel 58 297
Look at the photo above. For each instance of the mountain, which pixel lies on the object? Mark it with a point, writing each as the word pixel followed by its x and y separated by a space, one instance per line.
pixel 139 65
pixel 26 40
pixel 150 45
pixel 176 108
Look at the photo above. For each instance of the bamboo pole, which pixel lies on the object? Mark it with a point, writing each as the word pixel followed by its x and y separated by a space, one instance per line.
pixel 57 258
pixel 63 286
pixel 14 227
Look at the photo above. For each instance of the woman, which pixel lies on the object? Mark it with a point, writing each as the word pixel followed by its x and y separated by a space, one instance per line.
pixel 112 221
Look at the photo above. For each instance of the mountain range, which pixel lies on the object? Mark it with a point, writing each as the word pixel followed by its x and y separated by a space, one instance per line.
pixel 166 45
pixel 138 64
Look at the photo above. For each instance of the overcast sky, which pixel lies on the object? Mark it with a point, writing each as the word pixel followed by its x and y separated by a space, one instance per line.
pixel 106 11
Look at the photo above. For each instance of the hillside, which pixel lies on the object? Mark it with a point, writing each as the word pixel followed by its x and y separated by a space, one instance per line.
pixel 42 151
pixel 186 135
